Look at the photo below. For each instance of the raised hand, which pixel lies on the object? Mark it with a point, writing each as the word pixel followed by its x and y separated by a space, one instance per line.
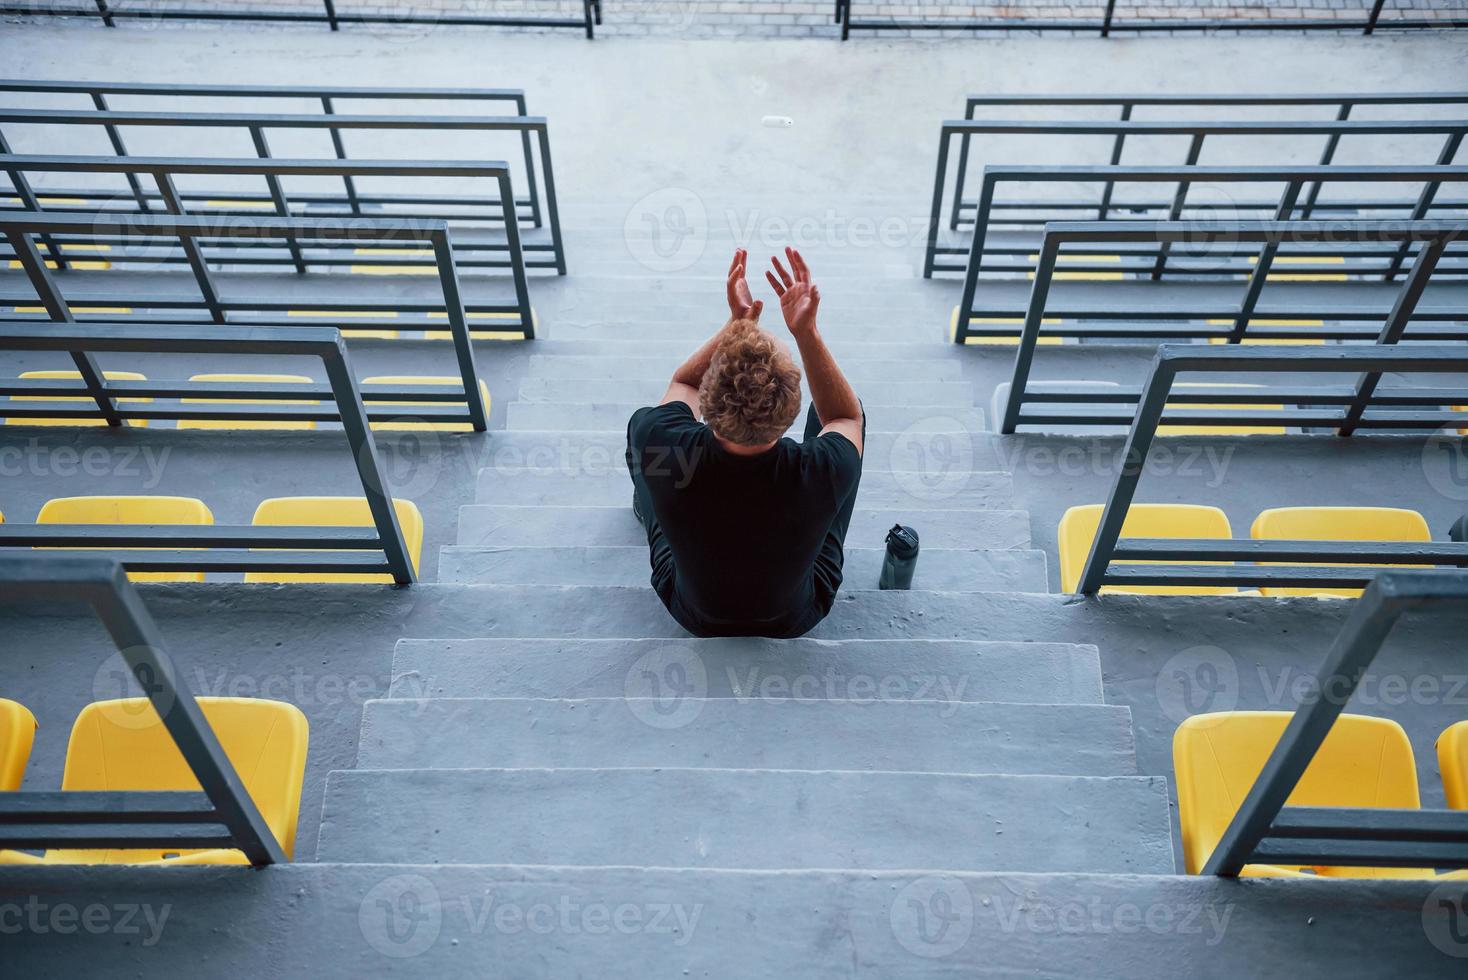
pixel 799 297
pixel 741 306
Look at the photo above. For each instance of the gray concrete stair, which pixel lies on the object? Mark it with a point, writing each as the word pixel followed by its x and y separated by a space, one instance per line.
pixel 603 415
pixel 879 488
pixel 751 733
pixel 350 921
pixel 746 667
pixel 942 569
pixel 509 526
pixel 754 819
pixel 857 372
pixel 647 389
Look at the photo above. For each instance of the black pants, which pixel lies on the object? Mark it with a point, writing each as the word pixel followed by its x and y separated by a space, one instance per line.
pixel 826 572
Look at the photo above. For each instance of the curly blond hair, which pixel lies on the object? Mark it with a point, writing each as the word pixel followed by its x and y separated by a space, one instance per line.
pixel 750 394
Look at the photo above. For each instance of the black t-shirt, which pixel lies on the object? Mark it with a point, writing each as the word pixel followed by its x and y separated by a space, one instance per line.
pixel 748 533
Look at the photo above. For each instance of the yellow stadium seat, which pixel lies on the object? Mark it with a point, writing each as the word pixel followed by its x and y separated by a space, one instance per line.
pixel 334 512
pixel 1221 430
pixel 131 510
pixel 122 745
pixel 260 378
pixel 1044 340
pixel 17 733
pixel 1363 762
pixel 1078 530
pixel 76 376
pixel 404 379
pixel 516 334
pixel 1337 524
pixel 1452 761
pixel 1287 342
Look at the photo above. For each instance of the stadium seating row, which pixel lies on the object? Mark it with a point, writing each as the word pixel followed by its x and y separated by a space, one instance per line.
pixel 275 512
pixel 366 383
pixel 1078 525
pixel 122 745
pixel 1364 762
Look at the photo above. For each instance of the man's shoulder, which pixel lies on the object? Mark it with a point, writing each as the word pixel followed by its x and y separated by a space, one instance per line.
pixel 661 420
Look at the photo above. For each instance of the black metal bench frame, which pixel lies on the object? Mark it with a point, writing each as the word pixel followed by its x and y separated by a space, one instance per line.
pixel 1305 564
pixel 111 12
pixel 510 253
pixel 23 229
pixel 1344 103
pixel 224 548
pixel 1109 22
pixel 1332 131
pixel 219 815
pixel 1263 239
pixel 258 124
pixel 1266 831
pixel 1299 183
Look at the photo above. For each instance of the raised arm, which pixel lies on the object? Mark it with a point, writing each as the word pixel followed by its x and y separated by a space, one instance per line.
pixel 836 402
pixel 684 386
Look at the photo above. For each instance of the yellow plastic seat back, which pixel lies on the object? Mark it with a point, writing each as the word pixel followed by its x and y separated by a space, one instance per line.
pixel 222 402
pixel 1221 430
pixel 1452 762
pixel 17 734
pixel 1363 762
pixel 1078 530
pixel 76 376
pixel 122 745
pixel 131 510
pixel 1337 524
pixel 334 512
pixel 403 379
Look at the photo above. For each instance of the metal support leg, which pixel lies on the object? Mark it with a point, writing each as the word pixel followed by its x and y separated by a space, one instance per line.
pixel 57 309
pixel 192 250
pixel 118 147
pixel 337 143
pixel 935 215
pixel 517 258
pixel 453 303
pixel 1195 149
pixel 29 201
pixel 277 195
pixel 1396 325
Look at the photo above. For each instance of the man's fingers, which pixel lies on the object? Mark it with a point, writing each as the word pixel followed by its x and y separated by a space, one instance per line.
pixel 779 289
pixel 784 276
pixel 797 265
pixel 738 260
pixel 756 309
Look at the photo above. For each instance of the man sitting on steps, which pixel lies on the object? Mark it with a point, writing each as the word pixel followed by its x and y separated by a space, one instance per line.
pixel 745 527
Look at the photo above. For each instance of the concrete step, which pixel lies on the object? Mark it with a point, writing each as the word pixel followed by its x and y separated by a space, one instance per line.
pixel 677 348
pixel 743 818
pixel 483 525
pixel 857 372
pixel 884 489
pixel 648 390
pixel 599 415
pixel 749 667
pixel 943 452
pixel 611 611
pixel 673 730
pixel 908 326
pixel 938 569
pixel 630 923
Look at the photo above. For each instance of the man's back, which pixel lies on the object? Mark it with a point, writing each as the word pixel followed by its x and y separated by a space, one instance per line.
pixel 748 533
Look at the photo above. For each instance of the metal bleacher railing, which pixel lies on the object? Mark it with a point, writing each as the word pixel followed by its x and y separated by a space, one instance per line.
pixel 538 207
pixel 1109 20
pixel 1303 315
pixel 1126 105
pixel 1266 831
pixel 1363 404
pixel 221 814
pixel 256 306
pixel 485 237
pixel 215 548
pixel 1451 131
pixel 1006 231
pixel 110 13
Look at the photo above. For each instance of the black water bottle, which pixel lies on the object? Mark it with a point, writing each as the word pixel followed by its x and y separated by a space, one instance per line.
pixel 901 559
